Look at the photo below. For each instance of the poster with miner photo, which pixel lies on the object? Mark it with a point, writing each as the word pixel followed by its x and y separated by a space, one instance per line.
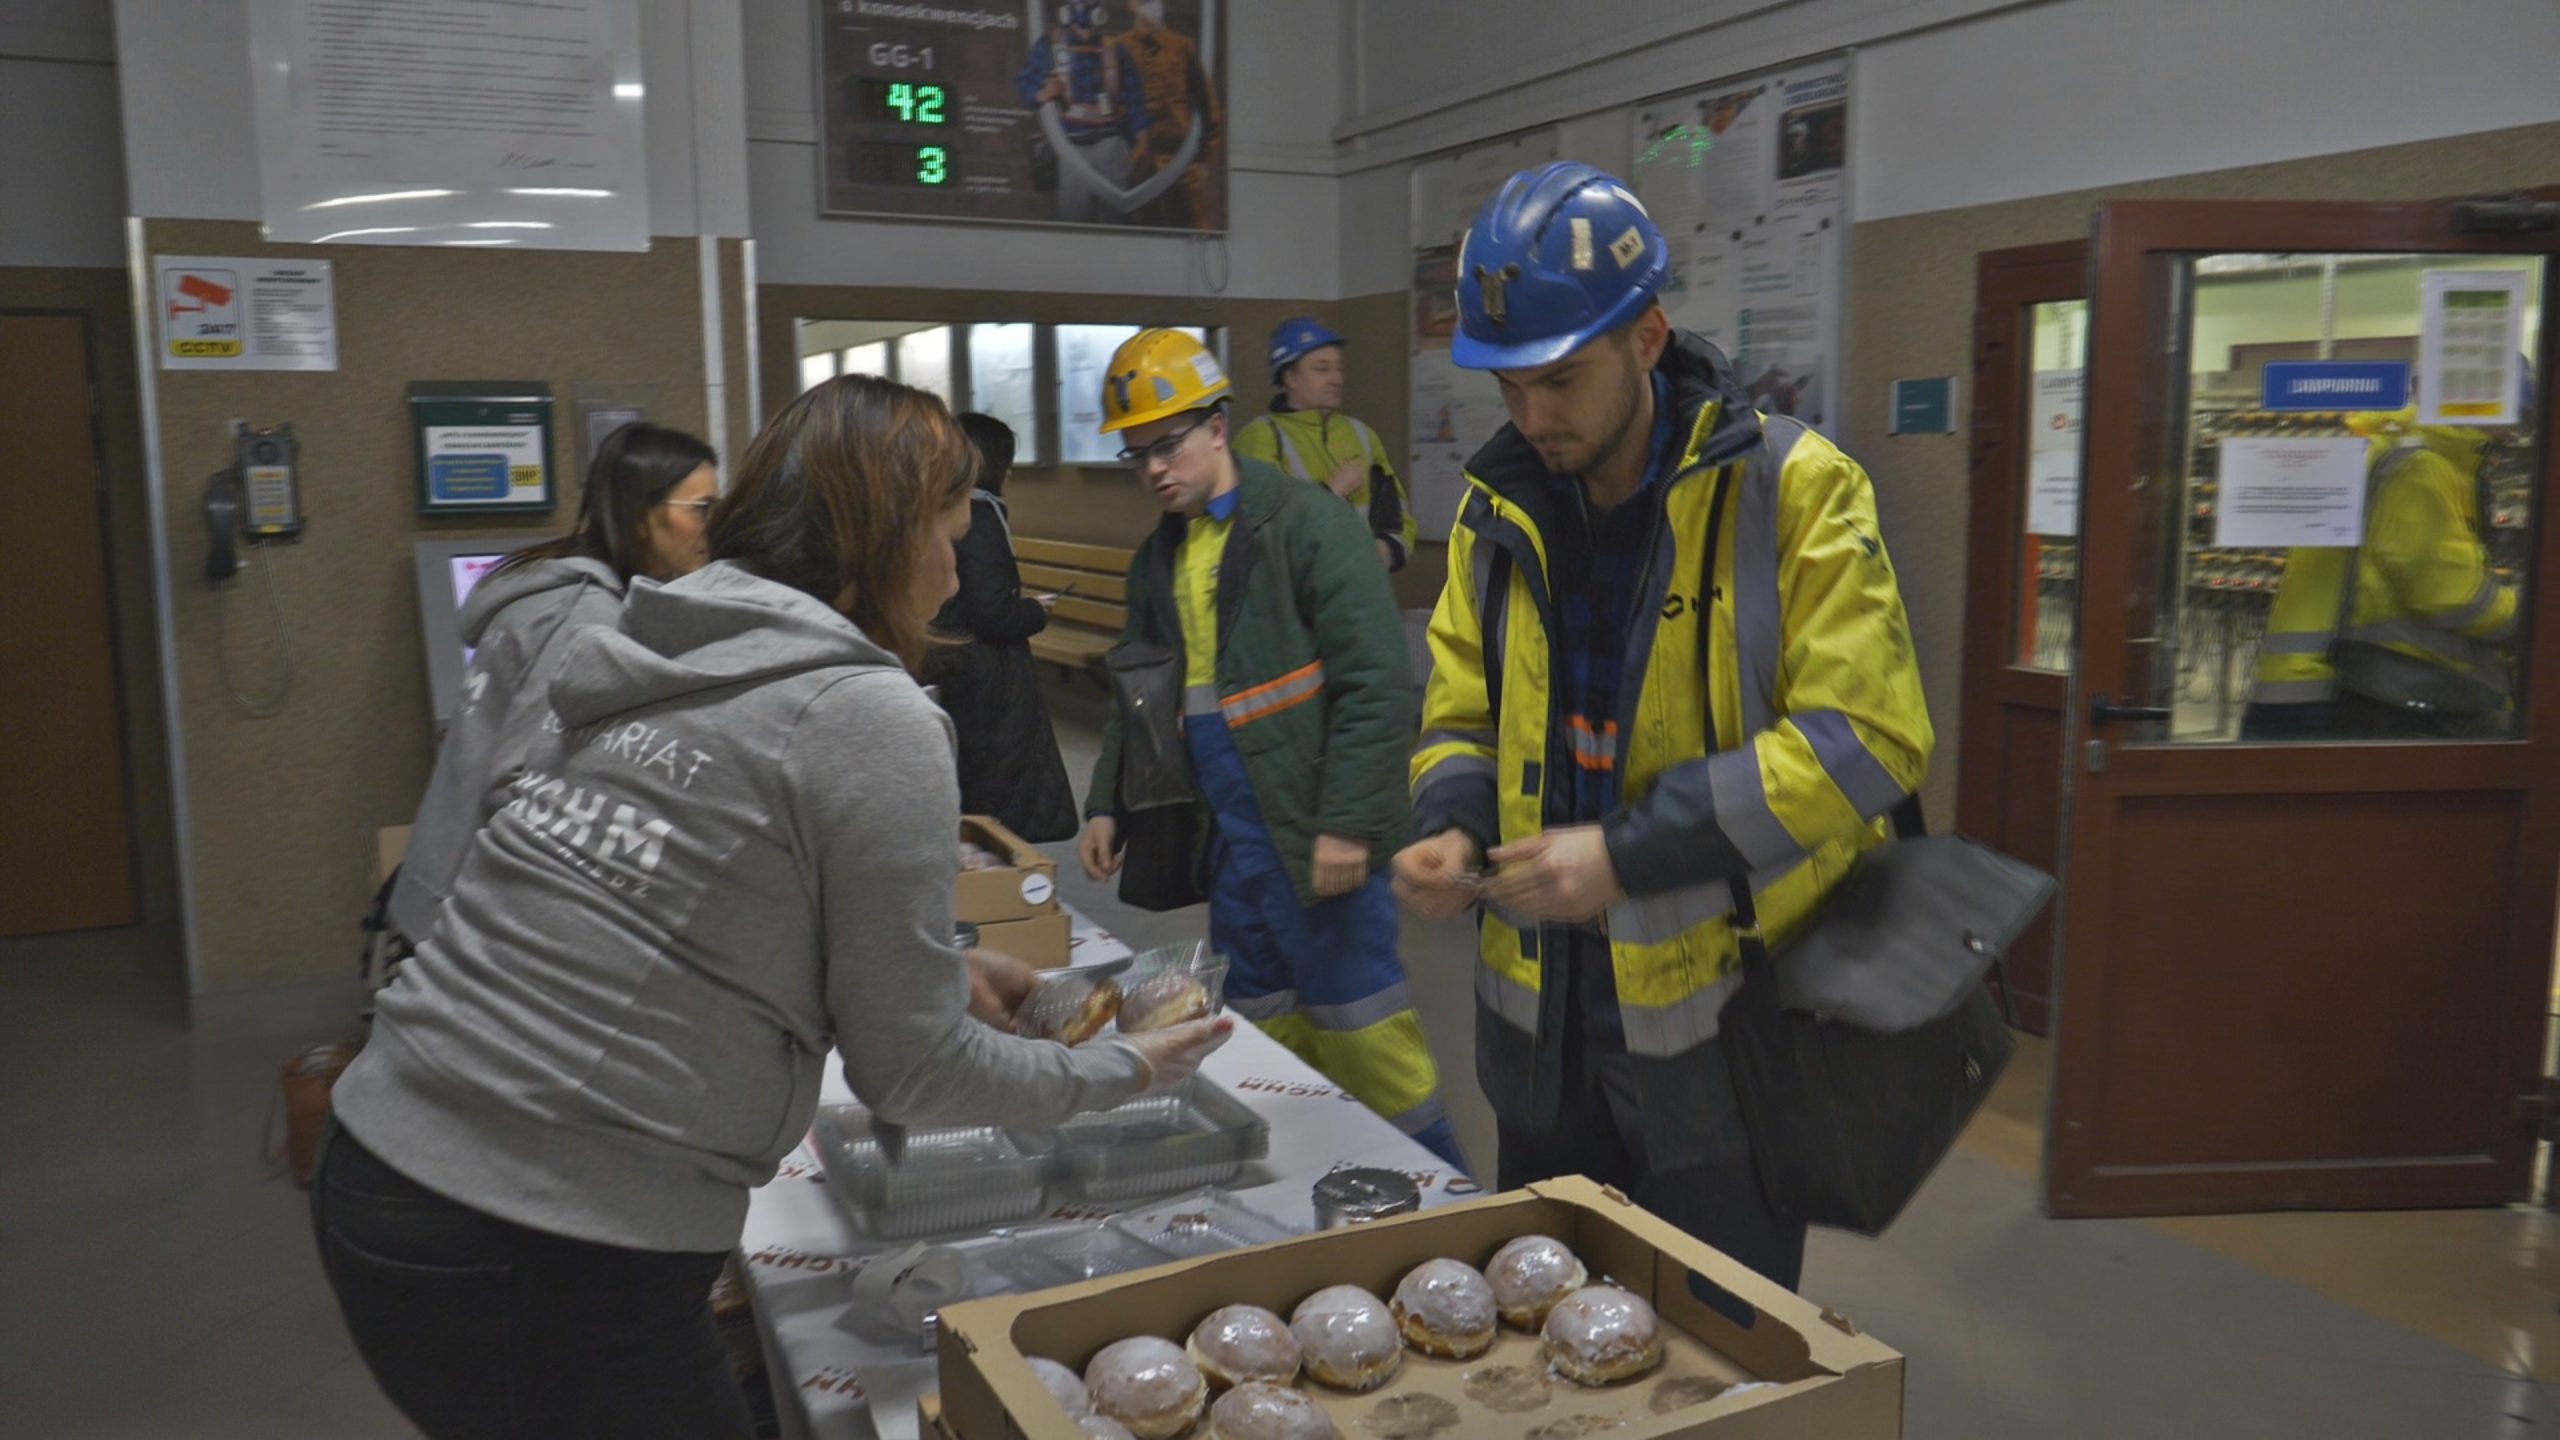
pixel 1086 112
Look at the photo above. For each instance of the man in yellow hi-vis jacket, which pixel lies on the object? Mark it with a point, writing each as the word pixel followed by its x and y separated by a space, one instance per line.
pixel 2410 635
pixel 1671 651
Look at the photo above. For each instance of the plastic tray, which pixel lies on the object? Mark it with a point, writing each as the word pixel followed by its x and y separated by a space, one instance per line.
pixel 952 1179
pixel 1075 1250
pixel 1205 1222
pixel 1181 1140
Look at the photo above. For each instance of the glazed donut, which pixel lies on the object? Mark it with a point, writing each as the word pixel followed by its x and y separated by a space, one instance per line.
pixel 1066 1385
pixel 1529 1276
pixel 1445 1308
pixel 1349 1338
pixel 1103 1427
pixel 1163 1000
pixel 1257 1410
pixel 1601 1335
pixel 1148 1385
pixel 1244 1342
pixel 1069 1010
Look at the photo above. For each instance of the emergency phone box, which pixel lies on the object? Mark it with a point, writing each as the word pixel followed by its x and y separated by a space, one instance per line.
pixel 1026 884
pixel 1041 942
pixel 1825 1381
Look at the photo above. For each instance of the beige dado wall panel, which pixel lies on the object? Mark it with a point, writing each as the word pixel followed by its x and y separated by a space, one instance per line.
pixel 1911 314
pixel 282 811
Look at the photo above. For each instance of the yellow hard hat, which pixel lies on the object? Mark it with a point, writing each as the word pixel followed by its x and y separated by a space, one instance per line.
pixel 1159 373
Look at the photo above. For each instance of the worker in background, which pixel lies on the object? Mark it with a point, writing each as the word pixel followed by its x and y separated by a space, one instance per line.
pixel 1177 88
pixel 1009 762
pixel 641 514
pixel 1297 716
pixel 1307 435
pixel 1102 109
pixel 1671 651
pixel 2425 651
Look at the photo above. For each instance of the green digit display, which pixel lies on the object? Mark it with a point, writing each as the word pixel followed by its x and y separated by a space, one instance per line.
pixel 932 165
pixel 902 98
pixel 929 104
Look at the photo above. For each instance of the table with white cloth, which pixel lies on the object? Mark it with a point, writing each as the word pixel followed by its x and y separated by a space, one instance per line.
pixel 799 1253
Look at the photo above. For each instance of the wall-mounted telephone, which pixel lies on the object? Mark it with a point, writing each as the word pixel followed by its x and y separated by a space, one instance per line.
pixel 257 499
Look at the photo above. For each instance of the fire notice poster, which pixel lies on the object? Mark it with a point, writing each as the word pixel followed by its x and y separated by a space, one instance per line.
pixel 1038 112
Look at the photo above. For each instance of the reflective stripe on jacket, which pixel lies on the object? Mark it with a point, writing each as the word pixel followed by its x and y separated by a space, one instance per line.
pixel 1791 642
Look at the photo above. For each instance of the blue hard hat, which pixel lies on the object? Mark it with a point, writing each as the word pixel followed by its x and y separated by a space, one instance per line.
pixel 1296 338
pixel 1562 255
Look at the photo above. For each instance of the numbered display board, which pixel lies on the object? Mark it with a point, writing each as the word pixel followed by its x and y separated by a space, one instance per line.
pixel 1075 113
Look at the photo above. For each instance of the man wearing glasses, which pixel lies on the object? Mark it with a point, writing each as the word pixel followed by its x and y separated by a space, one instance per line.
pixel 1298 709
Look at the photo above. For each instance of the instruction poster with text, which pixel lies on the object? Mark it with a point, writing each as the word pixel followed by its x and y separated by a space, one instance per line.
pixel 219 313
pixel 1749 185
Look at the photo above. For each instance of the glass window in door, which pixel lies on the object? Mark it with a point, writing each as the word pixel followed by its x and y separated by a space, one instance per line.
pixel 2049 580
pixel 2341 550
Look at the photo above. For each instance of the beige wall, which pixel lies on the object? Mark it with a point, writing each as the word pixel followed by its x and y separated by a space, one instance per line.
pixel 1911 314
pixel 282 811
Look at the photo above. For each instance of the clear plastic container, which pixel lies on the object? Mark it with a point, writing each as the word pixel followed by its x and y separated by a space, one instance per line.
pixel 1205 1222
pixel 1184 1139
pixel 952 1180
pixel 1075 1250
pixel 1158 983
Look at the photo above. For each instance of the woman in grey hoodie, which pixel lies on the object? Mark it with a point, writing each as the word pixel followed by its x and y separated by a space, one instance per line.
pixel 643 512
pixel 737 852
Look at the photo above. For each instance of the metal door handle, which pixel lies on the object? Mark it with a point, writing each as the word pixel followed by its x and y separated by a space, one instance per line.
pixel 2103 711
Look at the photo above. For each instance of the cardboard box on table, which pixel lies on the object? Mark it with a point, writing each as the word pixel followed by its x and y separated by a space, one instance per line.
pixel 1833 1383
pixel 1024 889
pixel 1041 942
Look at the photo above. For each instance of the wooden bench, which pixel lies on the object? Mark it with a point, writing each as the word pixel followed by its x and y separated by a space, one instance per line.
pixel 1093 585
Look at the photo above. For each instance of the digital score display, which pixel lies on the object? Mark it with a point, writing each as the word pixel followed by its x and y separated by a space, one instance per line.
pixel 1077 114
pixel 900 102
pixel 888 162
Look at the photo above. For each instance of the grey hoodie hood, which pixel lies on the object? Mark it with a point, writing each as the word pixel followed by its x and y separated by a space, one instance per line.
pixel 718 626
pixel 502 588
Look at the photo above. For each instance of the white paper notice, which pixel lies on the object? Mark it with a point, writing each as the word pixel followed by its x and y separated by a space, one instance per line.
pixel 237 314
pixel 2053 494
pixel 2280 493
pixel 451 122
pixel 2053 453
pixel 2470 333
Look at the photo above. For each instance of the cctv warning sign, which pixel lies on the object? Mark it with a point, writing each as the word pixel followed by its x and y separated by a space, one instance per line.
pixel 246 315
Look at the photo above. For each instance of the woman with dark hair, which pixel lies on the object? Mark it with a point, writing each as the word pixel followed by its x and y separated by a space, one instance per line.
pixel 1009 764
pixel 642 513
pixel 738 852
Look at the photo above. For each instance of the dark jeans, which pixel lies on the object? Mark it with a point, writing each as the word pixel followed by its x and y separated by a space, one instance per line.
pixel 481 1329
pixel 1600 1134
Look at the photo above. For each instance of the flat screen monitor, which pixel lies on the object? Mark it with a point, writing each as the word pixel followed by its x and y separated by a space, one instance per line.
pixel 447 570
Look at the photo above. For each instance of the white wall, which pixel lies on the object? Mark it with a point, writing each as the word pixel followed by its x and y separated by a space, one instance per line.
pixel 1284 95
pixel 61 146
pixel 2044 100
pixel 191 132
pixel 1965 102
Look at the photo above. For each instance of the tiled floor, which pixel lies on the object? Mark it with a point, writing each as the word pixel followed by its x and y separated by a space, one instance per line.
pixel 160 1279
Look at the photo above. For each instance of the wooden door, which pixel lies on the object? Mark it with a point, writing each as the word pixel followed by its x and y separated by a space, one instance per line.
pixel 2310 971
pixel 2030 335
pixel 67 851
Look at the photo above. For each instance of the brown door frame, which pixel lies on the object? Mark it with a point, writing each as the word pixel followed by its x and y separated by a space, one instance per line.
pixel 2006 284
pixel 2121 508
